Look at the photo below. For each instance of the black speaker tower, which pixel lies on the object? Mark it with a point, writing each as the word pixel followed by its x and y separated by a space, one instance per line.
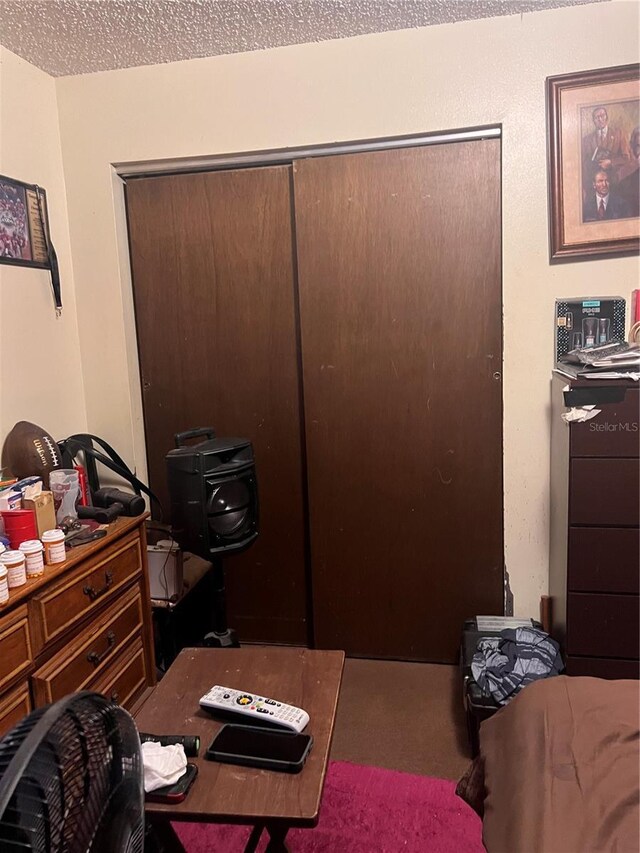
pixel 214 508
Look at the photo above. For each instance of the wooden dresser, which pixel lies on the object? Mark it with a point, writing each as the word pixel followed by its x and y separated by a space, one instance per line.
pixel 595 534
pixel 84 625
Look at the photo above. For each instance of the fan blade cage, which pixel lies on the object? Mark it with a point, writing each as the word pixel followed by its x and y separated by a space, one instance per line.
pixel 63 770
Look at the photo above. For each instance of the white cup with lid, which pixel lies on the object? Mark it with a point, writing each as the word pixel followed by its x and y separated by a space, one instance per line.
pixel 4 587
pixel 14 563
pixel 34 559
pixel 54 549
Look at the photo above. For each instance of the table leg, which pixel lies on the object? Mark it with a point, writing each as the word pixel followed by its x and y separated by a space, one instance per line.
pixel 277 835
pixel 254 839
pixel 166 636
pixel 160 837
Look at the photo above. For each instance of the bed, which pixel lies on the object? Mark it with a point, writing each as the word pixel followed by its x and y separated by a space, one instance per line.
pixel 558 769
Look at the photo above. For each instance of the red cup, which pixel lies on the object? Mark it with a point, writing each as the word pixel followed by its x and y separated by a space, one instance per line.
pixel 19 525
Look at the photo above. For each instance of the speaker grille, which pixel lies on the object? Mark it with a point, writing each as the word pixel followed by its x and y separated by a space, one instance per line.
pixel 230 509
pixel 214 496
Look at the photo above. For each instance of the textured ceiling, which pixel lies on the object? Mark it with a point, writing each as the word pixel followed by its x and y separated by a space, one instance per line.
pixel 81 36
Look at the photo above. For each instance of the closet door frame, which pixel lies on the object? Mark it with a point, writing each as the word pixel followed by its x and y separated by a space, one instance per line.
pixel 287 156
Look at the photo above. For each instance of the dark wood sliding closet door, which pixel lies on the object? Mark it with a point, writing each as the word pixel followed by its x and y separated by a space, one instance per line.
pixel 212 263
pixel 400 306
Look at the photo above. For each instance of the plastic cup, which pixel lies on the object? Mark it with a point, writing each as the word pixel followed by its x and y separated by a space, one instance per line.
pixel 65 486
pixel 19 525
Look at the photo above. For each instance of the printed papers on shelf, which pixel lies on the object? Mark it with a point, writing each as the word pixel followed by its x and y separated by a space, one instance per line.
pixel 622 361
pixel 635 377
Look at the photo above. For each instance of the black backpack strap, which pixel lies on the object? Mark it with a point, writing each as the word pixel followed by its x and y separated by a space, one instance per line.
pixel 83 442
pixel 69 449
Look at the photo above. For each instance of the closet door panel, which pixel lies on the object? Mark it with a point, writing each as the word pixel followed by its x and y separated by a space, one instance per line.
pixel 400 302
pixel 212 263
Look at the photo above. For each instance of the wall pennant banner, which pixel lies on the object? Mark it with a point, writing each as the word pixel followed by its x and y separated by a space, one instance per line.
pixel 24 231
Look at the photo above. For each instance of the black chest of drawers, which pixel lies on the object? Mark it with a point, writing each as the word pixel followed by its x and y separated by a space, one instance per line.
pixel 594 566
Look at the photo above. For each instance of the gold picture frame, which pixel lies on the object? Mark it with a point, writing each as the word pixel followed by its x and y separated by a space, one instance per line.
pixel 23 224
pixel 594 185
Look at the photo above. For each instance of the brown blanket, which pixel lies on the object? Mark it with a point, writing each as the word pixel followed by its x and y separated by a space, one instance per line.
pixel 558 770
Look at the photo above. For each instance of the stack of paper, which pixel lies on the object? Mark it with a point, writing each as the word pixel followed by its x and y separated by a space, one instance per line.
pixel 622 362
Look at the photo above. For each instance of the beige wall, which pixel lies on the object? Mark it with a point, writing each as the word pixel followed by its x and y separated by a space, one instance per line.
pixel 40 373
pixel 436 78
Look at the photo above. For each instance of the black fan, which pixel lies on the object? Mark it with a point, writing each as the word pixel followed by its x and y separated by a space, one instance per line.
pixel 71 780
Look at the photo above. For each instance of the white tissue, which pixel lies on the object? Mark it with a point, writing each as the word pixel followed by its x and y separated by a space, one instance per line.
pixel 163 765
pixel 580 413
pixel 31 492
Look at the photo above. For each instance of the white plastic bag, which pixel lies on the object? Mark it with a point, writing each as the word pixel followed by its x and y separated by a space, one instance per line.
pixel 163 765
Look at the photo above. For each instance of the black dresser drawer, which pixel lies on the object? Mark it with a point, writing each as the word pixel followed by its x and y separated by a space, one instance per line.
pixel 603 667
pixel 604 491
pixel 604 559
pixel 614 431
pixel 603 625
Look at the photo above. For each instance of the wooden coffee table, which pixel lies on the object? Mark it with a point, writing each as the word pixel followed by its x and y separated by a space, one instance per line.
pixel 224 793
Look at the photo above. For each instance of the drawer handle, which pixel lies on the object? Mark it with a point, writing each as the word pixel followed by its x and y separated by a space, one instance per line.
pixel 115 697
pixel 95 658
pixel 96 593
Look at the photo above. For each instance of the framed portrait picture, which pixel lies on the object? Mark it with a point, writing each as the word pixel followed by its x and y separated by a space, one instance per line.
pixel 593 126
pixel 23 224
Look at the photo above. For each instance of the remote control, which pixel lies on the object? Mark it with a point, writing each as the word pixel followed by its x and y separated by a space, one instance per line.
pixel 246 707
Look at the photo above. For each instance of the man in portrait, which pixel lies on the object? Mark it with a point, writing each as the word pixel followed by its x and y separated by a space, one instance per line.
pixel 601 202
pixel 606 147
pixel 627 175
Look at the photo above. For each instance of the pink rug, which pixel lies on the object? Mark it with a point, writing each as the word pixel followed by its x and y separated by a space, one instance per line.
pixel 365 810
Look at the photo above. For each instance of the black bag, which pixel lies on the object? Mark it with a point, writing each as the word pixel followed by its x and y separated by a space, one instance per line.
pixel 84 443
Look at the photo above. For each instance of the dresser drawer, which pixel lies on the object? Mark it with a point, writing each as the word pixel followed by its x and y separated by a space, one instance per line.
pixel 89 656
pixel 125 678
pixel 603 667
pixel 604 491
pixel 16 655
pixel 54 610
pixel 13 707
pixel 613 432
pixel 602 625
pixel 604 559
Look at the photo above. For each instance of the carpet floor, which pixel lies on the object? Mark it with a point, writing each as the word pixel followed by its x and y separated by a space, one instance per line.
pixel 365 810
pixel 402 716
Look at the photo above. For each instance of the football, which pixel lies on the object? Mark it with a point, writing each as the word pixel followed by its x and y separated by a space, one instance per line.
pixel 30 451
